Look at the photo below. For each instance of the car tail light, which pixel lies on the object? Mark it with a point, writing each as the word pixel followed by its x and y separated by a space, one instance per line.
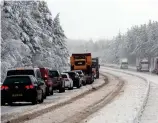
pixel 29 86
pixel 4 87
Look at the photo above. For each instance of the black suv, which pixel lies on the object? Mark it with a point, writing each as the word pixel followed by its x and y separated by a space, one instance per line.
pixel 21 88
pixel 30 71
pixel 58 81
pixel 75 77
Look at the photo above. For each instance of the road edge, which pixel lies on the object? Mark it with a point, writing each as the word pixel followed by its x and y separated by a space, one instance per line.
pixel 142 107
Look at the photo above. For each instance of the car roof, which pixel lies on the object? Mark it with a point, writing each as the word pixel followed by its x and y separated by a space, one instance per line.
pixel 77 70
pixel 20 76
pixel 27 68
pixel 69 72
pixel 54 69
pixel 65 73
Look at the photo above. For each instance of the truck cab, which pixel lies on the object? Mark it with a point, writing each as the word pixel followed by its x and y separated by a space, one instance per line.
pixel 154 65
pixel 124 63
pixel 95 67
pixel 143 65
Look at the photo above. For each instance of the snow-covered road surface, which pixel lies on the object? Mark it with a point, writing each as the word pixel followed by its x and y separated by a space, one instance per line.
pixel 125 108
pixel 150 113
pixel 81 108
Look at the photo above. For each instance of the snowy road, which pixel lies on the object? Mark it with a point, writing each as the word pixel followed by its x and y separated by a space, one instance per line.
pixel 150 113
pixel 83 107
pixel 125 108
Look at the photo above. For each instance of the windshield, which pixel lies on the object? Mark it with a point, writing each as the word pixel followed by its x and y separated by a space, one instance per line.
pixel 20 72
pixel 54 73
pixel 17 80
pixel 64 76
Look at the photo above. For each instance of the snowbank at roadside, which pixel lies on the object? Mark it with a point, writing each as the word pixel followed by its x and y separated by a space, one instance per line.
pixel 127 106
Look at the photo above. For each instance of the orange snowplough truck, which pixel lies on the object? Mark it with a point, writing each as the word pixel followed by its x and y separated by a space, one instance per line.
pixel 83 61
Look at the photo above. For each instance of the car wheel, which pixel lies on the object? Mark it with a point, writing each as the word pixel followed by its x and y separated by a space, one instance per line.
pixel 10 103
pixel 61 90
pixel 47 91
pixel 2 102
pixel 41 100
pixel 44 95
pixel 78 85
pixel 34 102
pixel 52 92
pixel 84 83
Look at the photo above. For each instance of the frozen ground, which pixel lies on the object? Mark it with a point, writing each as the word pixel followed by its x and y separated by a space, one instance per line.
pixel 75 111
pixel 125 107
pixel 150 114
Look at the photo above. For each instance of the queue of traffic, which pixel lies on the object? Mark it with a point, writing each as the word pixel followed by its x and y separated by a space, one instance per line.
pixel 34 84
pixel 142 64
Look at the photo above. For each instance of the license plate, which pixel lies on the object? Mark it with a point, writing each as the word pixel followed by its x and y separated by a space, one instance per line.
pixel 17 95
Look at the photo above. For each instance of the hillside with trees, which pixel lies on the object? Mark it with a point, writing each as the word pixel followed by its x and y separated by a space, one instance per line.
pixel 30 37
pixel 138 41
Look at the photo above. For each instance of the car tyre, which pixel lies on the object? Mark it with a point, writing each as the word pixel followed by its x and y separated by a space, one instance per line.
pixel 2 102
pixel 79 85
pixel 61 90
pixel 44 95
pixel 41 100
pixel 52 92
pixel 10 103
pixel 34 101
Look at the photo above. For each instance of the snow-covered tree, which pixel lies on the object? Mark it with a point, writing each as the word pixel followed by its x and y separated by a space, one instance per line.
pixel 30 36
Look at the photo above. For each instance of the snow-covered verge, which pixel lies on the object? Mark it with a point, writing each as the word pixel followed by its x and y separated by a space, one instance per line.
pixel 127 106
pixel 30 37
pixel 137 118
pixel 149 115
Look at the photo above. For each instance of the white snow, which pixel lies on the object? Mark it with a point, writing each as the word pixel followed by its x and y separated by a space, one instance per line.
pixel 150 114
pixel 125 107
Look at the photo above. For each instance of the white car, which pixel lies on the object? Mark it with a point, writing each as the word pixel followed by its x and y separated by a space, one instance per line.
pixel 68 81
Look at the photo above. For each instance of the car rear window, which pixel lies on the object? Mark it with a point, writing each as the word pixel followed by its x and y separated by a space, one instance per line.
pixel 44 72
pixel 79 72
pixel 17 80
pixel 71 74
pixel 64 76
pixel 54 73
pixel 20 72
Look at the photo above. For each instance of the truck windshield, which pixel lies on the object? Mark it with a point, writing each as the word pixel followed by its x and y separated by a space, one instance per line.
pixel 79 57
pixel 144 62
pixel 80 63
pixel 124 63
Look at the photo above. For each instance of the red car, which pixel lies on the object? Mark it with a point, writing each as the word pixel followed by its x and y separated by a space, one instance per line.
pixel 48 81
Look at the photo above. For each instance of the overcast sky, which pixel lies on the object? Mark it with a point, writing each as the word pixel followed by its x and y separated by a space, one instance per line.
pixel 85 19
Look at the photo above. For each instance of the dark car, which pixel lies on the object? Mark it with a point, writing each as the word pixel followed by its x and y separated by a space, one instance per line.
pixel 82 76
pixel 21 88
pixel 30 71
pixel 58 81
pixel 48 81
pixel 75 77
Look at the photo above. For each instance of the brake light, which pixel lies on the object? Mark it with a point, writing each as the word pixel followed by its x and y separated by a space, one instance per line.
pixel 4 87
pixel 29 86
